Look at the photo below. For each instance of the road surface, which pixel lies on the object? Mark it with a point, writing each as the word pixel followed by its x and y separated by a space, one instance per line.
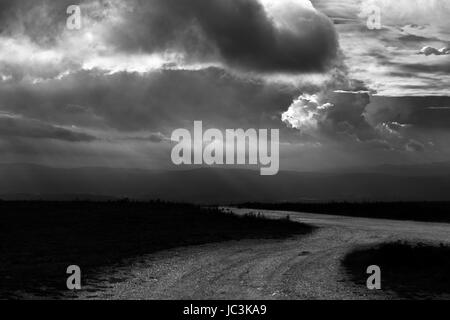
pixel 301 267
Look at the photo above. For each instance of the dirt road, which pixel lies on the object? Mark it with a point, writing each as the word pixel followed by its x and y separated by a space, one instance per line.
pixel 304 267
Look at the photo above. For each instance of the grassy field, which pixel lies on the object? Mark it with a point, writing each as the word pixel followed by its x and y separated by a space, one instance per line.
pixel 416 211
pixel 411 270
pixel 39 240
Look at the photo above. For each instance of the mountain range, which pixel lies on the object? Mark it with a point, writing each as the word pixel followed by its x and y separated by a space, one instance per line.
pixel 218 185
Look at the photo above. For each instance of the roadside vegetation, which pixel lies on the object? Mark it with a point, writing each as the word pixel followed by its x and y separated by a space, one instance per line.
pixel 410 270
pixel 416 211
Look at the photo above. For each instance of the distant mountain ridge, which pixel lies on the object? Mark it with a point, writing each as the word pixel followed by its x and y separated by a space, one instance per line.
pixel 216 185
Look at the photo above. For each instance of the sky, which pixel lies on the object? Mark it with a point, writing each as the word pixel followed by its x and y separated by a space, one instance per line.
pixel 111 93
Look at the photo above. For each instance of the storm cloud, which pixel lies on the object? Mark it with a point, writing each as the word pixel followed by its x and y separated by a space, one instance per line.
pixel 243 34
pixel 240 33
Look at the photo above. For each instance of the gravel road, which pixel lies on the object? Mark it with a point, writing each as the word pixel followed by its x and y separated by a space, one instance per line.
pixel 303 267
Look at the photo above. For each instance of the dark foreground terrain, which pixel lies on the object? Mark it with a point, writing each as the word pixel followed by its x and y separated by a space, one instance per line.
pixel 39 240
pixel 300 267
pixel 410 269
pixel 415 211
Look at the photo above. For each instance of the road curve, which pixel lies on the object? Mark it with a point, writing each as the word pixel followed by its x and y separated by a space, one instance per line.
pixel 301 267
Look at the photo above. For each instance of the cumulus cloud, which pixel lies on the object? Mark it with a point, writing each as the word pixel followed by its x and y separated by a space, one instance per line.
pixel 331 115
pixel 305 113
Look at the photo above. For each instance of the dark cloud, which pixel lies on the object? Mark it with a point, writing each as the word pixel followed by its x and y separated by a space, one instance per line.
pixel 237 32
pixel 158 101
pixel 15 126
pixel 348 115
pixel 419 112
